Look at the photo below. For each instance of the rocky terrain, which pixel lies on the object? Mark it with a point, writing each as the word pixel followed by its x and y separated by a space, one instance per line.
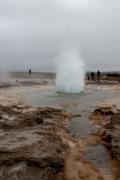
pixel 30 143
pixel 35 145
pixel 108 117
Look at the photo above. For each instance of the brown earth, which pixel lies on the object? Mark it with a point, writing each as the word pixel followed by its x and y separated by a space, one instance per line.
pixel 30 146
pixel 35 145
pixel 109 119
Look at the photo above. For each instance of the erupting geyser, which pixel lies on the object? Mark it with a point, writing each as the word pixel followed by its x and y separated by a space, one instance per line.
pixel 70 73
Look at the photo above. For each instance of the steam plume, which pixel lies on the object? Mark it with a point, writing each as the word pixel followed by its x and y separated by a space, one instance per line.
pixel 70 72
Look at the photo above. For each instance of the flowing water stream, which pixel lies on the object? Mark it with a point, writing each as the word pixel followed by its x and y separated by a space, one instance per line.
pixel 81 105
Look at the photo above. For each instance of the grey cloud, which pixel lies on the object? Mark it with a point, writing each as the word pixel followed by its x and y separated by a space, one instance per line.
pixel 32 32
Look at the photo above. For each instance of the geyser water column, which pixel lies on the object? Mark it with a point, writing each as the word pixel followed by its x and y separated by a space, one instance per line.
pixel 70 72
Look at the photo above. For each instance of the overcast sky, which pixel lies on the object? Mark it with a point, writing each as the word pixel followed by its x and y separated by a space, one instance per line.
pixel 33 32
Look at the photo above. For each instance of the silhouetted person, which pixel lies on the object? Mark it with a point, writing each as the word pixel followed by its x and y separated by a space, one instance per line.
pixel 30 71
pixel 88 76
pixel 92 75
pixel 98 75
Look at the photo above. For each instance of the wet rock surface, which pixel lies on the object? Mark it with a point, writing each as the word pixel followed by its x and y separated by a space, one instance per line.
pixel 109 119
pixel 30 143
pixel 35 145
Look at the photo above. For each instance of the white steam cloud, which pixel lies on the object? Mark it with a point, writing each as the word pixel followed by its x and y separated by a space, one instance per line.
pixel 70 72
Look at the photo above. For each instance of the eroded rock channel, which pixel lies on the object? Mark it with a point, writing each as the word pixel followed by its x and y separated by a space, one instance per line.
pixel 30 143
pixel 108 118
pixel 35 144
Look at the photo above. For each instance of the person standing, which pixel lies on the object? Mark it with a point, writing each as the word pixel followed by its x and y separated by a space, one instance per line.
pixel 30 71
pixel 92 75
pixel 98 75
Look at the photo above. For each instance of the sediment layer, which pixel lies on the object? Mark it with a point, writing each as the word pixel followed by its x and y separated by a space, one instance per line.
pixel 31 147
pixel 108 117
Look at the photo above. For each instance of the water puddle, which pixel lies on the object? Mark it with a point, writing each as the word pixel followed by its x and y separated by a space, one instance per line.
pixel 80 127
pixel 99 156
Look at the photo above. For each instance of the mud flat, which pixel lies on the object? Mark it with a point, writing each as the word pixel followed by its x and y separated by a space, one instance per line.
pixel 31 146
pixel 108 118
pixel 36 143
